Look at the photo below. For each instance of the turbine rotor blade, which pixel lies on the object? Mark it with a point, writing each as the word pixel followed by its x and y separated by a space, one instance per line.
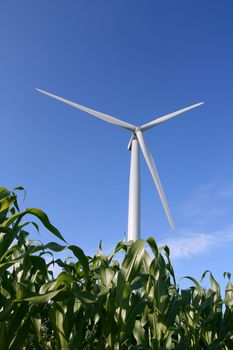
pixel 168 116
pixel 130 141
pixel 105 117
pixel 155 176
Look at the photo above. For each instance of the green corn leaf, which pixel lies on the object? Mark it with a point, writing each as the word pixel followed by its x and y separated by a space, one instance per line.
pixel 121 246
pixel 198 286
pixel 57 316
pixel 134 312
pixel 43 298
pixel 40 215
pixel 229 294
pixel 19 315
pixel 39 264
pixel 6 265
pixel 20 188
pixel 140 335
pixel 106 277
pixel 100 250
pixel 55 247
pixel 133 259
pixel 4 339
pixel 153 246
pixel 36 321
pixel 227 274
pixel 5 242
pixel 64 279
pixel 85 297
pixel 78 252
pixel 21 335
pixel 121 288
pixel 214 284
pixel 204 274
pixel 167 250
pixel 7 309
pixel 4 192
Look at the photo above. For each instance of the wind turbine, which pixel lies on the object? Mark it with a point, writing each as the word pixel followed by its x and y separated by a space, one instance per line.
pixel 137 140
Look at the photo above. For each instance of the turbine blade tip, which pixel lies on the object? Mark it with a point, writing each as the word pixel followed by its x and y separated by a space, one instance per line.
pixel 37 89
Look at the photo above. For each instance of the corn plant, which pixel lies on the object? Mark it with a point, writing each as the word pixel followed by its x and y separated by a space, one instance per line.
pixel 100 302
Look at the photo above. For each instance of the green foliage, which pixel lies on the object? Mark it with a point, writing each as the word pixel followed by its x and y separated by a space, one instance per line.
pixel 100 302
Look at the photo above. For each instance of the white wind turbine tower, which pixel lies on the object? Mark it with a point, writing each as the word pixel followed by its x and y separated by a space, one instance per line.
pixel 136 140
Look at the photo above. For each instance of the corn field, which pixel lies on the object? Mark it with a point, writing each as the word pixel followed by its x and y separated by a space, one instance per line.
pixel 100 302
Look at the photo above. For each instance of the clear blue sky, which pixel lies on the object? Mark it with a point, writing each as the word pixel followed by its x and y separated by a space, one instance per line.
pixel 135 60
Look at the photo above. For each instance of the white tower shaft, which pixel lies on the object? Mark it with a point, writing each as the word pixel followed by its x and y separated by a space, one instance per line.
pixel 134 193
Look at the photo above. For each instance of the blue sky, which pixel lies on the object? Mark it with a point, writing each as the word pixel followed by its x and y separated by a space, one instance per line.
pixel 135 60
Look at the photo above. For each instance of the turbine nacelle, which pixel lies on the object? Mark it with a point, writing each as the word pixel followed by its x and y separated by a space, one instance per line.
pixel 133 136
